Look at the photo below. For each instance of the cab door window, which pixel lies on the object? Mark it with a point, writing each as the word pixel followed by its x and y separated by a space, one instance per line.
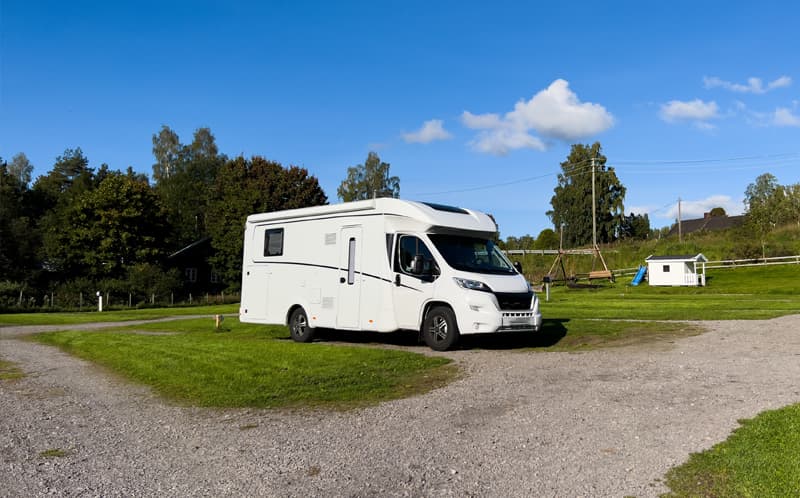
pixel 408 247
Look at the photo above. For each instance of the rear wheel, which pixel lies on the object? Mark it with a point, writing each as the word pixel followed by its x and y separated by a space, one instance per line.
pixel 440 329
pixel 298 326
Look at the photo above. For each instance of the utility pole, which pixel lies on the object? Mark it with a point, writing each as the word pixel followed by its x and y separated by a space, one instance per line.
pixel 594 209
pixel 680 228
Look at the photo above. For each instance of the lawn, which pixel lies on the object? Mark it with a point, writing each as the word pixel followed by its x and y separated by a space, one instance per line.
pixel 731 293
pixel 112 316
pixel 759 459
pixel 246 365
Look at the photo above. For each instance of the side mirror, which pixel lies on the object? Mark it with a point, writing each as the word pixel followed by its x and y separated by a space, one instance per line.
pixel 518 266
pixel 417 264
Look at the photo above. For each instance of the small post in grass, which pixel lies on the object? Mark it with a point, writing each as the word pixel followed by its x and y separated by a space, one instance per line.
pixel 218 321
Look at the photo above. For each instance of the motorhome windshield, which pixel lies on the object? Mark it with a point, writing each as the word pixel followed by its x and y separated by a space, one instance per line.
pixel 472 254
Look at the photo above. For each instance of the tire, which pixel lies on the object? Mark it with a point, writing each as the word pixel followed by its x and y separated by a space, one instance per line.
pixel 298 326
pixel 440 329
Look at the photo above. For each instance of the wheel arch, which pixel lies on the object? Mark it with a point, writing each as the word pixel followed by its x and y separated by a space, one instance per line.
pixel 428 307
pixel 291 310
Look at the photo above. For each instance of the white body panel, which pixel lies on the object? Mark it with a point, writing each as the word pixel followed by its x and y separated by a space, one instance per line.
pixel 340 264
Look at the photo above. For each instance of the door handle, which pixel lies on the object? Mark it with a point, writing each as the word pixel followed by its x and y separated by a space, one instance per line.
pixel 341 280
pixel 397 280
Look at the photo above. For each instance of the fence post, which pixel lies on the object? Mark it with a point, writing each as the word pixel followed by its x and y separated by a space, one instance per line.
pixel 130 301
pixel 80 301
pixel 172 299
pixel 153 298
pixel 51 300
pixel 190 298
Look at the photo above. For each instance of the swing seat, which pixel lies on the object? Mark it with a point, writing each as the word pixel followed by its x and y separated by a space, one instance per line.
pixel 596 275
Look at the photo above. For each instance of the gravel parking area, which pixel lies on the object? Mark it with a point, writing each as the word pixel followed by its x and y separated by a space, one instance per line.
pixel 601 423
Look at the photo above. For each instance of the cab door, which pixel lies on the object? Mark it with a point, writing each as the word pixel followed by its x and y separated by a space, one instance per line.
pixel 348 309
pixel 412 290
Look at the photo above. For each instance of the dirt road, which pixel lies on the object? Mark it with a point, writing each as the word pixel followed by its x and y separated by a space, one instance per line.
pixel 602 423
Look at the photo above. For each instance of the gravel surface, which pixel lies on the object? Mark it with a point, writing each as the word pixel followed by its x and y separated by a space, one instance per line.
pixel 601 423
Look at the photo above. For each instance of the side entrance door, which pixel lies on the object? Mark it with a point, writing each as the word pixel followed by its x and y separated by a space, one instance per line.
pixel 348 307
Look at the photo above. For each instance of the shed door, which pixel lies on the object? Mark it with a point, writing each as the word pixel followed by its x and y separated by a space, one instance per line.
pixel 348 309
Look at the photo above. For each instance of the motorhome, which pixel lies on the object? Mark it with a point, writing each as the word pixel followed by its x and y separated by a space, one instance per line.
pixel 383 265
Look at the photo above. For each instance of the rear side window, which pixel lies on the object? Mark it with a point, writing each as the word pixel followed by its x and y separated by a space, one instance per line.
pixel 273 242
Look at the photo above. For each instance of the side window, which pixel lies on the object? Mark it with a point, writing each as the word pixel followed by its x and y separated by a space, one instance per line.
pixel 273 242
pixel 410 246
pixel 191 274
pixel 665 269
pixel 351 262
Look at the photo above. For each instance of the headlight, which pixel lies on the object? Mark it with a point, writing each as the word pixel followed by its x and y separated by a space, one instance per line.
pixel 472 284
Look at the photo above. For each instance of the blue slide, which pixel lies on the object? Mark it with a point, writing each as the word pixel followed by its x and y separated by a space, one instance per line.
pixel 639 275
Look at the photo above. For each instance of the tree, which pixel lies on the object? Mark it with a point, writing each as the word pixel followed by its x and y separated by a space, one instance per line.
pixel 106 230
pixel 763 199
pixel 572 202
pixel 167 149
pixel 244 187
pixel 634 226
pixel 19 237
pixel 547 239
pixel 21 169
pixel 369 180
pixel 185 176
pixel 70 177
pixel 717 211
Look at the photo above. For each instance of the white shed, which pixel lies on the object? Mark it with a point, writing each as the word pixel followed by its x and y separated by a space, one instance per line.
pixel 677 270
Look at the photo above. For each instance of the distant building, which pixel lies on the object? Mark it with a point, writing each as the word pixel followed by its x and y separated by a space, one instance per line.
pixel 708 223
pixel 198 275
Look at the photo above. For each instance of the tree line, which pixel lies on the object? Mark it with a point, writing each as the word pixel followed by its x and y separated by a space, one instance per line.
pixel 88 228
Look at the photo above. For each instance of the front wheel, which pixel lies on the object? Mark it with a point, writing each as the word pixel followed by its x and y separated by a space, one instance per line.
pixel 298 326
pixel 440 329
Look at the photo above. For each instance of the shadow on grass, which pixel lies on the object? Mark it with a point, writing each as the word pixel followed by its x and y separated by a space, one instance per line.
pixel 553 330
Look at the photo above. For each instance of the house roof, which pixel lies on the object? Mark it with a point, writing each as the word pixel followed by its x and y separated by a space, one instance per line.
pixel 189 247
pixel 682 258
pixel 709 223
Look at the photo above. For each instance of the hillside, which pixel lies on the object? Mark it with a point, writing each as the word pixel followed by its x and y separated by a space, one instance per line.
pixel 735 243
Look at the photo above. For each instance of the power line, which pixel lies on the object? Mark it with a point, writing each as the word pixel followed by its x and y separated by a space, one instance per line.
pixel 584 166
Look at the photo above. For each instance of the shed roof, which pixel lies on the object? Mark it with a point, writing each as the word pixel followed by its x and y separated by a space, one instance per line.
pixel 697 257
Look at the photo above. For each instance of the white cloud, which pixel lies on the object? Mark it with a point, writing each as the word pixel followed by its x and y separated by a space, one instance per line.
pixel 431 131
pixel 555 112
pixel 754 85
pixel 781 116
pixel 785 117
pixel 501 141
pixel 695 209
pixel 692 110
pixel 480 121
pixel 640 210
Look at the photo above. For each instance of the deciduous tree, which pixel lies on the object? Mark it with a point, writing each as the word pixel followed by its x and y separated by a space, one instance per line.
pixel 572 202
pixel 369 180
pixel 244 187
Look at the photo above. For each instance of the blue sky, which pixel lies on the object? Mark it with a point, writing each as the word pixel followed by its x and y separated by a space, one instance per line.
pixel 473 103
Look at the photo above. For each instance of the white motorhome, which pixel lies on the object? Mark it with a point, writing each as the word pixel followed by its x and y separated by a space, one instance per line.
pixel 383 265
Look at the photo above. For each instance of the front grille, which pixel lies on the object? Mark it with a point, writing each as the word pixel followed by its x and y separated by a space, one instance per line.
pixel 514 300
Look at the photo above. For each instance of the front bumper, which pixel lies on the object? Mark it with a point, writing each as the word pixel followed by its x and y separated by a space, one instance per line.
pixel 480 315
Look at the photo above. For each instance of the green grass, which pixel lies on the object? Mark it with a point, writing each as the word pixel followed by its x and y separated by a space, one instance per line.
pixel 53 453
pixel 9 371
pixel 112 316
pixel 731 293
pixel 253 365
pixel 758 460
